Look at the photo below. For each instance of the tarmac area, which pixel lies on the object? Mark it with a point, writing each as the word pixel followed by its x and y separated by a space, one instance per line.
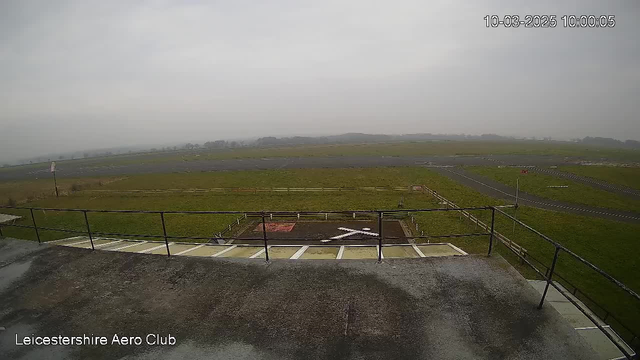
pixel 363 232
pixel 471 307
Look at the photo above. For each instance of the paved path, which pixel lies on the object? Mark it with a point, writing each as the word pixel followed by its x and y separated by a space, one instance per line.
pixel 599 184
pixel 498 190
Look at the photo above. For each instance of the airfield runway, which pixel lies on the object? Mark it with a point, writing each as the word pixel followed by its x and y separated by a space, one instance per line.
pixel 498 190
pixel 88 168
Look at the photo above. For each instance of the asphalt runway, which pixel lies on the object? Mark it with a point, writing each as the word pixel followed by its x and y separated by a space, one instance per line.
pixel 93 169
pixel 501 191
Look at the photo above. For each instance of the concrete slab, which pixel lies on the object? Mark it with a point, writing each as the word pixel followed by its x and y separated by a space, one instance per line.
pixel 601 343
pixel 207 250
pixel 437 250
pixel 116 245
pixel 280 252
pixel 173 248
pixel 576 318
pixel 96 242
pixel 71 240
pixel 320 252
pixel 360 252
pixel 242 252
pixel 463 307
pixel 399 252
pixel 141 246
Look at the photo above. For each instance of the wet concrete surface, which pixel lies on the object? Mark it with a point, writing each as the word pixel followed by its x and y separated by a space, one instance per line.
pixel 88 168
pixel 426 308
pixel 498 190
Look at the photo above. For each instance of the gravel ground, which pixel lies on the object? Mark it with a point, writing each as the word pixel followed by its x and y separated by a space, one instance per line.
pixel 429 308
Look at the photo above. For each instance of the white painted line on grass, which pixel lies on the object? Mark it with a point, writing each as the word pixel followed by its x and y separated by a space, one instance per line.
pixel 340 252
pixel 224 251
pixel 418 251
pixel 186 251
pixel 153 248
pixel 128 246
pixel 457 249
pixel 299 252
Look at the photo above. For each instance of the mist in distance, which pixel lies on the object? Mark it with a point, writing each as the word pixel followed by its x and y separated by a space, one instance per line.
pixel 78 75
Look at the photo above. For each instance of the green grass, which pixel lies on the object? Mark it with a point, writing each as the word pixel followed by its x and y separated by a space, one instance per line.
pixel 608 244
pixel 625 176
pixel 383 177
pixel 537 184
pixel 31 190
pixel 418 148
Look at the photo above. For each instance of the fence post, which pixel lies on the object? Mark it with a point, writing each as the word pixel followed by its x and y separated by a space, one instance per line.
pixel 380 236
pixel 86 221
pixel 164 231
pixel 1 231
pixel 550 277
pixel 34 225
pixel 493 218
pixel 264 236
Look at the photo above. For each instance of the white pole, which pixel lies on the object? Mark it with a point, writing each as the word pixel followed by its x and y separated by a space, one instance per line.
pixel 515 211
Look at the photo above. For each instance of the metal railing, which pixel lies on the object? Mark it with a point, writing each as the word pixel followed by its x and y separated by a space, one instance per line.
pixel 550 273
pixel 379 214
pixel 262 215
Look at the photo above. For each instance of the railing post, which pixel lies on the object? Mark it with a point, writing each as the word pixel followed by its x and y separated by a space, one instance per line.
pixel 380 235
pixel 164 231
pixel 493 218
pixel 1 235
pixel 86 221
pixel 550 277
pixel 264 236
pixel 33 218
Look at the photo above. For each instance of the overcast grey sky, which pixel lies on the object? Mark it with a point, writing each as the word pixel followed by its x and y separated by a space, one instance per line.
pixel 88 74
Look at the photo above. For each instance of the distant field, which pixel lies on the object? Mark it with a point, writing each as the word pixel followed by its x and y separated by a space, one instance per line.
pixel 537 184
pixel 421 148
pixel 629 177
pixel 609 244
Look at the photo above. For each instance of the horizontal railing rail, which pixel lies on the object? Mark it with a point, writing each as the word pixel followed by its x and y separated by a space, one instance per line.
pixel 263 216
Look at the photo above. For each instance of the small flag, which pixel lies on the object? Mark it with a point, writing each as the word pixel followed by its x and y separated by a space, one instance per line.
pixel 524 171
pixel 53 166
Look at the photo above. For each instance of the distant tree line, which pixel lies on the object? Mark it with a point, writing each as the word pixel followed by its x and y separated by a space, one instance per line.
pixel 609 142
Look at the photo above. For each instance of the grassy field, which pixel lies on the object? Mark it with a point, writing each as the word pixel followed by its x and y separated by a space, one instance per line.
pixel 608 244
pixel 418 148
pixel 19 192
pixel 625 176
pixel 537 184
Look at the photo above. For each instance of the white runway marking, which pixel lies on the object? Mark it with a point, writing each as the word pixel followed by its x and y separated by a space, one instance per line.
pixel 418 251
pixel 224 251
pixel 128 246
pixel 109 243
pixel 299 252
pixel 186 251
pixel 349 233
pixel 259 253
pixel 153 248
